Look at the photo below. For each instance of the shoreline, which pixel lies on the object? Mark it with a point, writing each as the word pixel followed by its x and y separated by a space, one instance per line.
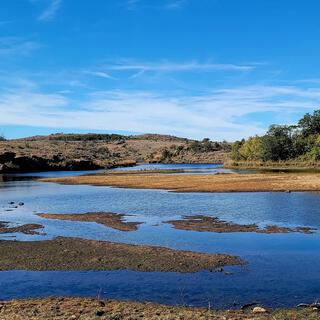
pixel 60 308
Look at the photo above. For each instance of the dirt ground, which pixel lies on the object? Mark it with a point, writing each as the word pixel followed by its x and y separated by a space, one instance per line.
pixel 85 309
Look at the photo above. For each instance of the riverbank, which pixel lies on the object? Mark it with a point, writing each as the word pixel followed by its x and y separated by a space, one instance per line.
pixel 79 254
pixel 285 166
pixel 86 308
pixel 255 182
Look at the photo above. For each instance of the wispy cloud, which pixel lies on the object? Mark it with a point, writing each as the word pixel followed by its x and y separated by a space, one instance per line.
pixel 50 11
pixel 216 114
pixel 10 46
pixel 140 68
pixel 99 74
pixel 175 4
pixel 163 4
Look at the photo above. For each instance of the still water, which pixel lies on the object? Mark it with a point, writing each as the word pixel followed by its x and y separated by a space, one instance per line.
pixel 282 269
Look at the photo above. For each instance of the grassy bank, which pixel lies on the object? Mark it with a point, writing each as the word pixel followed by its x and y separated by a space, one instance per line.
pixel 290 165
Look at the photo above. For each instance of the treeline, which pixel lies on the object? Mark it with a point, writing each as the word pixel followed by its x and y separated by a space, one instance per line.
pixel 87 137
pixel 283 142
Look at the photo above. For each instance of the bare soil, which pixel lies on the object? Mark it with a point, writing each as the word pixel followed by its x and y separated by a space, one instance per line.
pixel 80 254
pixel 87 309
pixel 212 224
pixel 109 219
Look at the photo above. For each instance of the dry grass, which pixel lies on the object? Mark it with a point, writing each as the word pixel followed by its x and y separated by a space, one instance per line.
pixel 202 182
pixel 85 309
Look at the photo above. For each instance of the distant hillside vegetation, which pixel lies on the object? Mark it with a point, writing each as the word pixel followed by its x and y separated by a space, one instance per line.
pixel 69 151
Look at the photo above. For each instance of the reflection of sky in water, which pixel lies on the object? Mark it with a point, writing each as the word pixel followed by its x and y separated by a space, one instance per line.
pixel 277 263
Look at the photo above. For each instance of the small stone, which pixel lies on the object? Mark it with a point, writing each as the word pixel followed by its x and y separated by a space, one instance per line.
pixel 21 204
pixel 218 269
pixel 303 305
pixel 259 310
pixel 73 317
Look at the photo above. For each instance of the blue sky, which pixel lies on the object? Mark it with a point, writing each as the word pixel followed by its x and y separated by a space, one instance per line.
pixel 223 69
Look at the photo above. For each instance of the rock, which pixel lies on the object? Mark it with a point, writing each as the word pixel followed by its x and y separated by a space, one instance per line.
pixel 259 310
pixel 303 305
pixel 100 313
pixel 218 269
pixel 11 202
pixel 20 204
pixel 248 305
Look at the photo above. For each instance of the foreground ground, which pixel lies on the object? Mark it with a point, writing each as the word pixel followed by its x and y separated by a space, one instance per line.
pixel 85 309
pixel 254 182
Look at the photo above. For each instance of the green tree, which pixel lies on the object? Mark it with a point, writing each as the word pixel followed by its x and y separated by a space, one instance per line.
pixel 235 150
pixel 277 143
pixel 310 123
pixel 252 149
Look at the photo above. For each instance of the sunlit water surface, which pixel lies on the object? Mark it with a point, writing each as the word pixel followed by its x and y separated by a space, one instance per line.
pixel 282 269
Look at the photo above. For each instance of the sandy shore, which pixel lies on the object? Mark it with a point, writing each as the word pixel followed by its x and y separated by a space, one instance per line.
pixel 202 182
pixel 85 309
pixel 80 254
pixel 212 224
pixel 109 219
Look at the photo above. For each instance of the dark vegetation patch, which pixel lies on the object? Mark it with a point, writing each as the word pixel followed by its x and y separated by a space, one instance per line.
pixel 80 254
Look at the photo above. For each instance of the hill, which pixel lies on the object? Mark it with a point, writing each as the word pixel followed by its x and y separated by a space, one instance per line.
pixel 91 151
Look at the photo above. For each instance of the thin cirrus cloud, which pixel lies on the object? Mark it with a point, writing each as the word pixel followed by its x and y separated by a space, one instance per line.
pixel 50 11
pixel 13 46
pixel 164 4
pixel 139 68
pixel 216 115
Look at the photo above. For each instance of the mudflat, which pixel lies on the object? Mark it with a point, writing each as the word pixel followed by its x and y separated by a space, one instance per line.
pixel 213 224
pixel 80 254
pixel 109 219
pixel 255 182
pixel 85 309
pixel 31 228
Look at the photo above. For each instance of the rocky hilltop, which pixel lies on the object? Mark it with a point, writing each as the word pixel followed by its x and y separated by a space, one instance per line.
pixel 94 151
